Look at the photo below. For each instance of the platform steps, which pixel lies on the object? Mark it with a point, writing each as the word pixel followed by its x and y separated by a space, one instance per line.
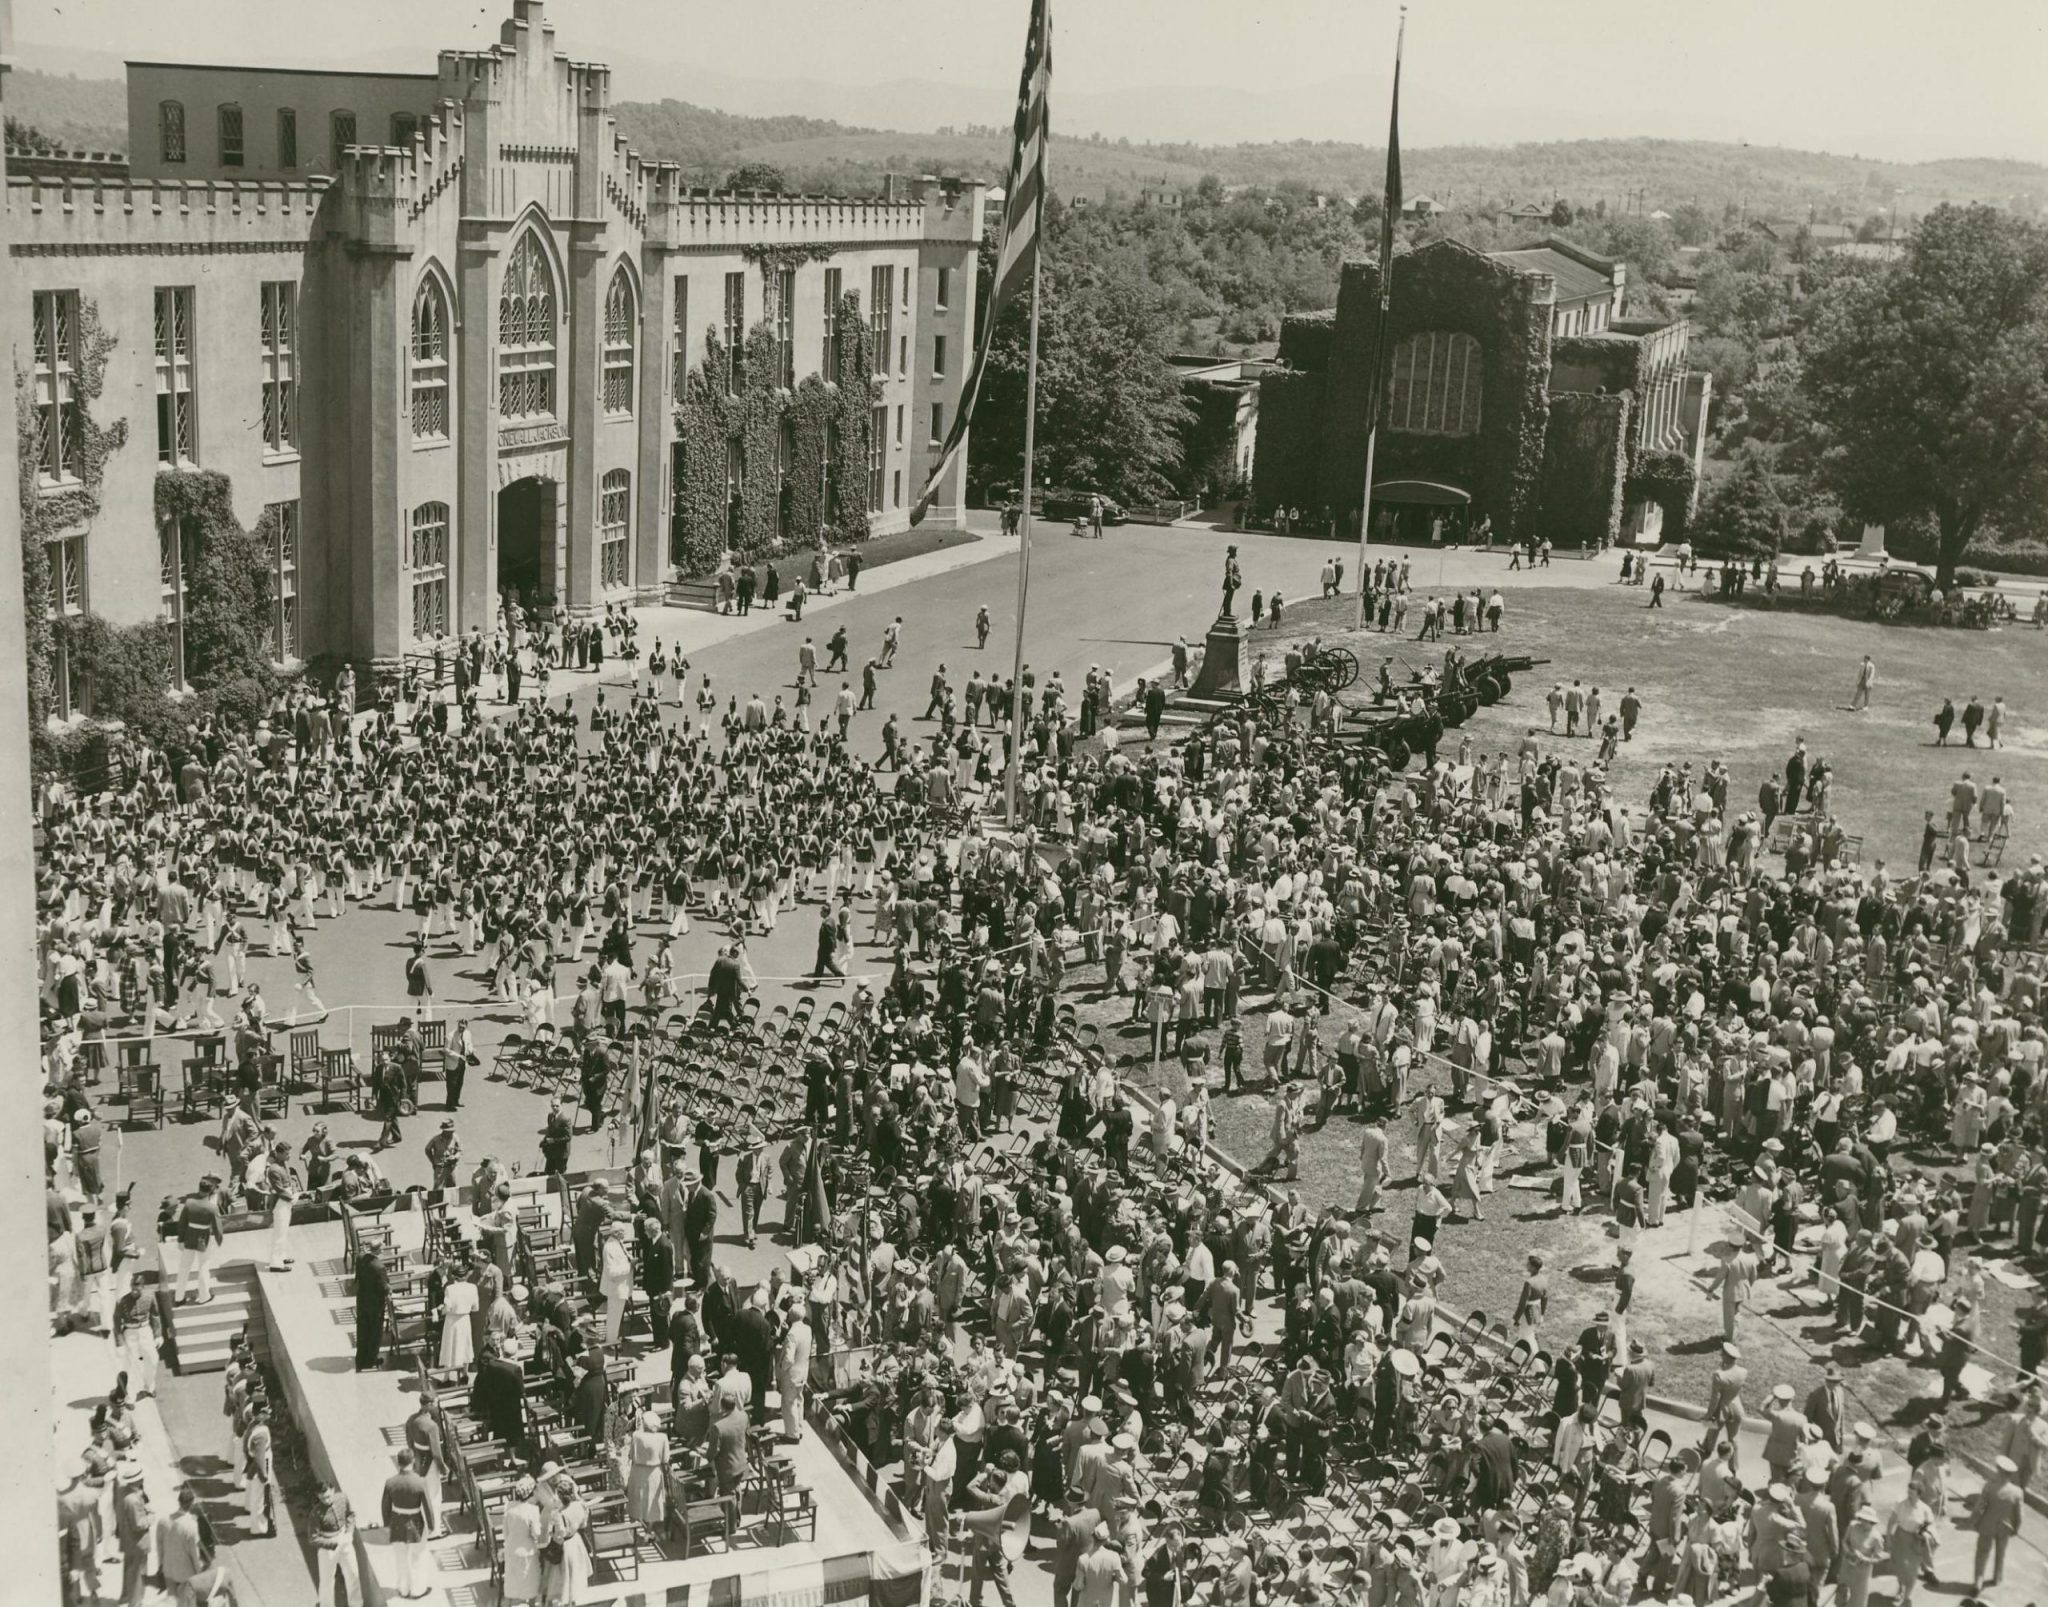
pixel 200 1335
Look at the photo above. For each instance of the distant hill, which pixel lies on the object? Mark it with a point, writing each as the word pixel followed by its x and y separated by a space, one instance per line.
pixel 88 114
pixel 821 155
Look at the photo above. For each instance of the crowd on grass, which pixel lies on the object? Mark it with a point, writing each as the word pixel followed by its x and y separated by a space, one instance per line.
pixel 1052 1288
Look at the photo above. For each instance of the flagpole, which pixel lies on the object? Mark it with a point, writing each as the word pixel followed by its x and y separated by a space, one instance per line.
pixel 1391 198
pixel 1023 551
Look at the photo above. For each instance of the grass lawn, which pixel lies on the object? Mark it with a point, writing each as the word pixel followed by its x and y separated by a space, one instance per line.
pixel 1741 685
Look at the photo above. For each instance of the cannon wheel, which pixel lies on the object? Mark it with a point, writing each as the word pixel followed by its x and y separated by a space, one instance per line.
pixel 1458 709
pixel 1397 754
pixel 1488 691
pixel 1504 681
pixel 1343 667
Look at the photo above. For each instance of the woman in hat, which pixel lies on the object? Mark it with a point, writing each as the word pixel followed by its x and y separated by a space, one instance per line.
pixel 565 1552
pixel 646 1458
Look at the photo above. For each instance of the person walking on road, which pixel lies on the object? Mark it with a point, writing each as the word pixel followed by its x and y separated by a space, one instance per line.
pixel 981 627
pixel 1866 678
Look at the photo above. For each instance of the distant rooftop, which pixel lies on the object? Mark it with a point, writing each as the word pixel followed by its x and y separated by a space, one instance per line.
pixel 1580 275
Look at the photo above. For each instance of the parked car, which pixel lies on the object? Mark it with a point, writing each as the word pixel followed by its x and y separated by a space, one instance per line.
pixel 1074 505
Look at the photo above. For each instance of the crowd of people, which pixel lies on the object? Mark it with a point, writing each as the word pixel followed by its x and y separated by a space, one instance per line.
pixel 1057 1325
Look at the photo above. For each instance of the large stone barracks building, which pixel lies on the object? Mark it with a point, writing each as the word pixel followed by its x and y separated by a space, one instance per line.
pixel 1515 391
pixel 447 337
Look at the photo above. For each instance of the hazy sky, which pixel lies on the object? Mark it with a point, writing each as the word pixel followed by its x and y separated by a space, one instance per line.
pixel 1898 78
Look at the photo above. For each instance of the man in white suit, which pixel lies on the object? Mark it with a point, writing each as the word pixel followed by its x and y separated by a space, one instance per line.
pixel 793 1371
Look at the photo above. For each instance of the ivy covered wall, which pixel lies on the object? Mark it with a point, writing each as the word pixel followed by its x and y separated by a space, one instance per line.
pixel 1284 465
pixel 125 671
pixel 1445 286
pixel 768 424
pixel 47 516
pixel 1585 463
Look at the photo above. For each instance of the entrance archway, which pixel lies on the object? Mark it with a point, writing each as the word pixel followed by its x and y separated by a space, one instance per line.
pixel 1404 511
pixel 526 541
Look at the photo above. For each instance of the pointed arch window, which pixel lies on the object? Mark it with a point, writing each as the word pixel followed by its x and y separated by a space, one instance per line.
pixel 614 521
pixel 621 319
pixel 526 334
pixel 430 363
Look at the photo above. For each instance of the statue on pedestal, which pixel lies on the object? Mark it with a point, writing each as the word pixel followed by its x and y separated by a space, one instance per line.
pixel 1233 578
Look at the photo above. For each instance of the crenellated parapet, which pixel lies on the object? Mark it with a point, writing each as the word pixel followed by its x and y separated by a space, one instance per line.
pixel 58 216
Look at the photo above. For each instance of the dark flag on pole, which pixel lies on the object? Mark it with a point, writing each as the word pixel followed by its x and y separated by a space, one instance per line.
pixel 1390 213
pixel 1017 241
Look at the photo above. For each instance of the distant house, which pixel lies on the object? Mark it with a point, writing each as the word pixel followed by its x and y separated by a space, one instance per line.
pixel 1529 215
pixel 1423 206
pixel 1160 195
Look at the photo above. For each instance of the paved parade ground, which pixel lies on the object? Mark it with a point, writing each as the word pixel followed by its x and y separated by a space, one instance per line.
pixel 1738 684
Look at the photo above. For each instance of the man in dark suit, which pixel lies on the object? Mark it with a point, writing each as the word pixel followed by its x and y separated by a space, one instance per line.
pixel 1825 1406
pixel 700 1226
pixel 1076 1529
pixel 373 1289
pixel 725 986
pixel 497 1396
pixel 754 1345
pixel 593 1210
pixel 726 1445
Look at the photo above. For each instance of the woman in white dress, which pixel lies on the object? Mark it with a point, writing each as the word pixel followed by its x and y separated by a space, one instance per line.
pixel 1834 1243
pixel 568 1552
pixel 458 1329
pixel 646 1457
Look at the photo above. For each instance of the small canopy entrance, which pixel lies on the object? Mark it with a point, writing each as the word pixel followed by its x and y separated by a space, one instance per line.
pixel 1409 510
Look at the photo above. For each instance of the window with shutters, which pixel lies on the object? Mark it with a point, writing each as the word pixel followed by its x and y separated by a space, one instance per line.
pixel 287 138
pixel 614 522
pixel 881 319
pixel 735 332
pixel 1433 386
pixel 230 136
pixel 526 334
pixel 427 557
pixel 621 319
pixel 280 389
pixel 170 128
pixel 177 563
pixel 176 429
pixel 281 626
pixel 679 336
pixel 69 694
pixel 430 362
pixel 829 361
pixel 784 281
pixel 59 442
pixel 343 125
pixel 878 455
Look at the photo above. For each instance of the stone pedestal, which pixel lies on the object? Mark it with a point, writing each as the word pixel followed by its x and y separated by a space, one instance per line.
pixel 1222 673
pixel 1872 545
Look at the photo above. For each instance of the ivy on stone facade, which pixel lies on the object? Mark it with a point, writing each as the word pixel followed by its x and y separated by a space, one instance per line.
pixel 711 419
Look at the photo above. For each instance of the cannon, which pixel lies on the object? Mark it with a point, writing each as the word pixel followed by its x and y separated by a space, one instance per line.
pixel 1329 669
pixel 1491 676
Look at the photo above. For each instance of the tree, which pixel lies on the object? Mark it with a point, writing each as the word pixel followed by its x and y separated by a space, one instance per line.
pixel 1110 407
pixel 762 178
pixel 1690 223
pixel 28 138
pixel 1742 513
pixel 1561 213
pixel 1931 378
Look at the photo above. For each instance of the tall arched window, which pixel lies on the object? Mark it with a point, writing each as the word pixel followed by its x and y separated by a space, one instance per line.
pixel 430 362
pixel 621 321
pixel 1434 385
pixel 428 561
pixel 526 334
pixel 614 525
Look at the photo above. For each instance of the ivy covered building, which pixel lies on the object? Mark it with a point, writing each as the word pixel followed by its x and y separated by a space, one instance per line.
pixel 1516 390
pixel 402 343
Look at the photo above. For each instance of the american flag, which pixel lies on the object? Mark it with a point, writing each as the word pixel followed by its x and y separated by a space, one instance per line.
pixel 1017 243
